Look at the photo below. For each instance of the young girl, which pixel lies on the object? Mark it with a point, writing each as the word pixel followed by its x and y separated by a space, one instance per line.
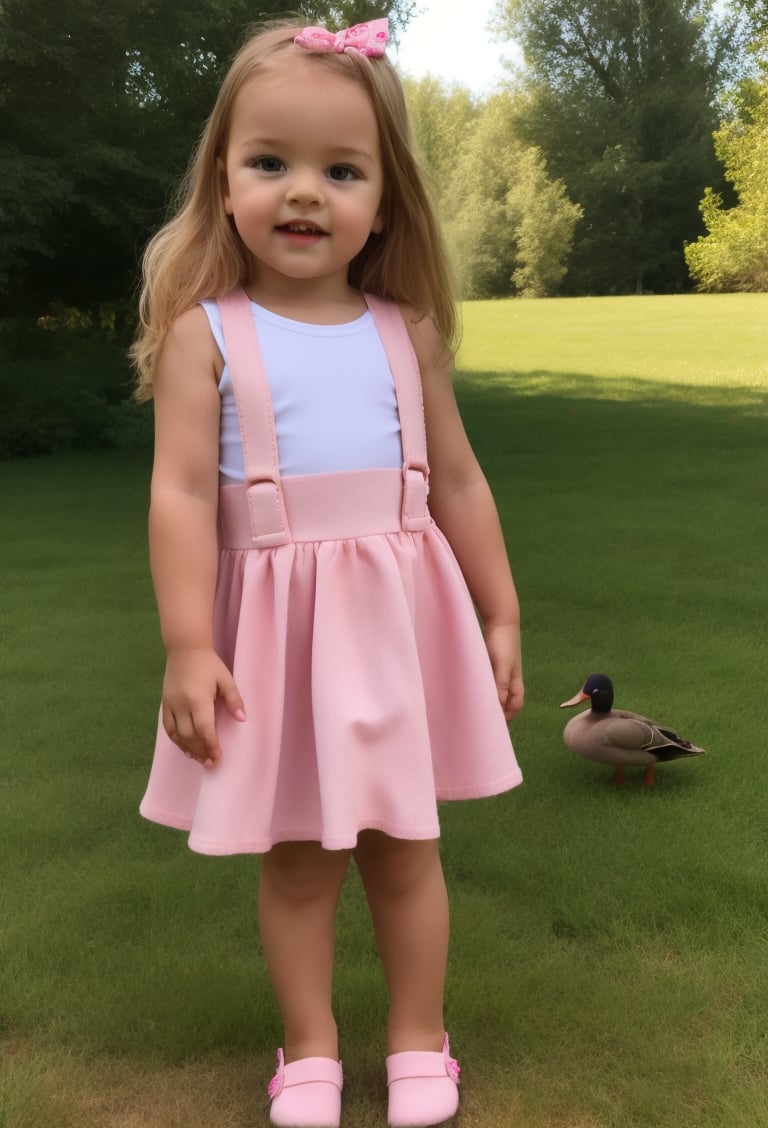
pixel 327 679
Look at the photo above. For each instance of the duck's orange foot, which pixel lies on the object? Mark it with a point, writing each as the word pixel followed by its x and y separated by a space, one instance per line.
pixel 649 781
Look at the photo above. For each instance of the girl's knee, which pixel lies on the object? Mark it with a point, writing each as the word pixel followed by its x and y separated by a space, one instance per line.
pixel 303 870
pixel 394 864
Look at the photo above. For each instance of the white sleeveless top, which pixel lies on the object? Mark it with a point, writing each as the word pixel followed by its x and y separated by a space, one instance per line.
pixel 332 392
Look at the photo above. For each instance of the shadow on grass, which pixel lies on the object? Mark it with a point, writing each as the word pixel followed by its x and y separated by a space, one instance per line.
pixel 580 385
pixel 623 446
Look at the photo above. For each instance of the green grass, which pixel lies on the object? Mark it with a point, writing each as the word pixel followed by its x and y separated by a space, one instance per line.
pixel 609 966
pixel 617 347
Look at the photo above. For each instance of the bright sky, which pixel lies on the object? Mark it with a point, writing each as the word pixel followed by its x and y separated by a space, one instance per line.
pixel 450 40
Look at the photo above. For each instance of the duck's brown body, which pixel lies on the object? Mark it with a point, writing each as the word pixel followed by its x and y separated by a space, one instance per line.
pixel 615 736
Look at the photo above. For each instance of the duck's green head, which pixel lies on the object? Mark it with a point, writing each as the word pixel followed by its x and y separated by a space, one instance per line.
pixel 598 690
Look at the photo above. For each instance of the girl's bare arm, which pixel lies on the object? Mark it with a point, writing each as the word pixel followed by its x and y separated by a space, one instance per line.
pixel 183 534
pixel 462 506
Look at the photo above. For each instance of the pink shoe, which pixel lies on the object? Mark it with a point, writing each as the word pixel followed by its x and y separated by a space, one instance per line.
pixel 422 1088
pixel 306 1093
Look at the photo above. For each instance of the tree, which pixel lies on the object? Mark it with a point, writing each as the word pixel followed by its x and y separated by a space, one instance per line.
pixel 100 106
pixel 442 118
pixel 483 243
pixel 619 97
pixel 545 221
pixel 509 227
pixel 733 255
pixel 757 16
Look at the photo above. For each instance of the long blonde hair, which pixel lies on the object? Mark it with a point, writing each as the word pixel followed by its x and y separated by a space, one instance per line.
pixel 198 253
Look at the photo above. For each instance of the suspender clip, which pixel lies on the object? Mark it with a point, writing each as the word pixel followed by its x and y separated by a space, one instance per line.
pixel 269 526
pixel 415 515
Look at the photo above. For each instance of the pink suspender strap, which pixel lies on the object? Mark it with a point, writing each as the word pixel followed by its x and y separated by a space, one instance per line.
pixel 266 507
pixel 391 327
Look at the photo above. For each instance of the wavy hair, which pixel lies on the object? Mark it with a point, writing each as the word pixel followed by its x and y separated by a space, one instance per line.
pixel 198 254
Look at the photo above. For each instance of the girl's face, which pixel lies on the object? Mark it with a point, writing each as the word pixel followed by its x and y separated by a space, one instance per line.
pixel 303 176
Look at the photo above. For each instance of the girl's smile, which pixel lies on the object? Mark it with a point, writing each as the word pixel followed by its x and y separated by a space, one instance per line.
pixel 302 232
pixel 302 178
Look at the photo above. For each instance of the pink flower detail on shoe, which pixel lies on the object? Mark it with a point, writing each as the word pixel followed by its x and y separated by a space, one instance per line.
pixel 276 1084
pixel 452 1067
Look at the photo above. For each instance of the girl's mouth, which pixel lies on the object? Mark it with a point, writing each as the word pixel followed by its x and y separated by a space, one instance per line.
pixel 301 229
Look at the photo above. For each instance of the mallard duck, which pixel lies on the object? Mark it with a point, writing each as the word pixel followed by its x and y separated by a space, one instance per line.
pixel 614 736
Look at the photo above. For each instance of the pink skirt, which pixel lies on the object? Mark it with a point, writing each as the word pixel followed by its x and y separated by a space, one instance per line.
pixel 367 685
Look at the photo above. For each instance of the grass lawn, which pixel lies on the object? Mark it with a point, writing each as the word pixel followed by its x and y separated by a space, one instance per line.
pixel 609 966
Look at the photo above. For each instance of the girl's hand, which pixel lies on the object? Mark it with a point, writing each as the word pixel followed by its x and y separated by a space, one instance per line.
pixel 194 679
pixel 503 643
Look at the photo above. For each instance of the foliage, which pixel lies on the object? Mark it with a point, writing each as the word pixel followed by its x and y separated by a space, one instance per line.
pixel 100 107
pixel 65 385
pixel 733 255
pixel 757 16
pixel 619 98
pixel 443 117
pixel 509 229
pixel 545 220
pixel 482 240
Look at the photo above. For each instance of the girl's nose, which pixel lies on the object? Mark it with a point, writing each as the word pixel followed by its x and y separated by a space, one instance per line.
pixel 305 188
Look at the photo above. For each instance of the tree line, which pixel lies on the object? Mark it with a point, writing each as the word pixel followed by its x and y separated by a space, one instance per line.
pixel 626 154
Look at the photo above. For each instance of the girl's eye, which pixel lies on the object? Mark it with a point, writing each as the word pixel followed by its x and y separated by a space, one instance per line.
pixel 268 164
pixel 341 172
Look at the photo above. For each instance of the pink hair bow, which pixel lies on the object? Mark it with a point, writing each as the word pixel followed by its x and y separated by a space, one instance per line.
pixel 367 39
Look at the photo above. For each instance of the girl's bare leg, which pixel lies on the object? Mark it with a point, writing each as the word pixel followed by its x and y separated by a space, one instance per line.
pixel 299 893
pixel 406 892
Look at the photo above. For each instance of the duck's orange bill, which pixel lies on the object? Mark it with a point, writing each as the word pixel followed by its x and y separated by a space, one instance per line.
pixel 577 700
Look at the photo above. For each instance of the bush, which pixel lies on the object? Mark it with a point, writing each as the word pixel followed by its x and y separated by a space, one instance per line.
pixel 66 389
pixel 130 426
pixel 733 255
